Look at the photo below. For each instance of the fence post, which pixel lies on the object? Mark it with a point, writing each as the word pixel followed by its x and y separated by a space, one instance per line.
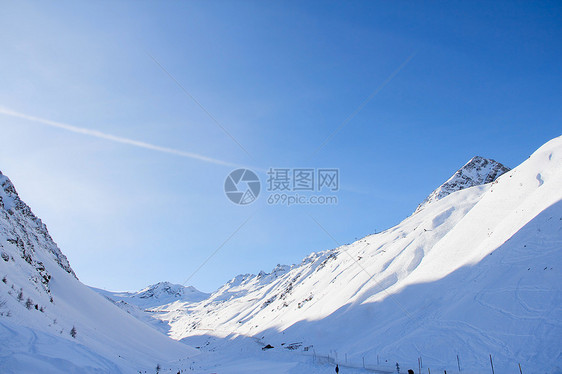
pixel 492 364
pixel 459 363
pixel 520 371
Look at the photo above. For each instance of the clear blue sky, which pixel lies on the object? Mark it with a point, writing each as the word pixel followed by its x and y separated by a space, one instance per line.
pixel 485 79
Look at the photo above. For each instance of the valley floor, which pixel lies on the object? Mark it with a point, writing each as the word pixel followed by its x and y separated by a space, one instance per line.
pixel 246 356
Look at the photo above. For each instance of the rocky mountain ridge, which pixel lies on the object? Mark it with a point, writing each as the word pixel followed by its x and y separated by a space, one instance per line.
pixel 24 230
pixel 476 172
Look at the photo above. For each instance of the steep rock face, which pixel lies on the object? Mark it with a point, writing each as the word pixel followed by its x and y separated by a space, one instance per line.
pixel 26 234
pixel 476 172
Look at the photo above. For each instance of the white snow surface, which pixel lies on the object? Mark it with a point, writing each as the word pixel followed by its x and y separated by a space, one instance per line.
pixel 35 328
pixel 476 272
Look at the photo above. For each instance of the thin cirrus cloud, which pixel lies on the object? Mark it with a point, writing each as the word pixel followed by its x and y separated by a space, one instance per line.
pixel 114 138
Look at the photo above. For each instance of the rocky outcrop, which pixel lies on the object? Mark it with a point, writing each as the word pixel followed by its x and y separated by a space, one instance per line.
pixel 476 172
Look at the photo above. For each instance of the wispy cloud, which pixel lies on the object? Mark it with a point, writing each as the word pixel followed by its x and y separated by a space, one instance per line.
pixel 114 138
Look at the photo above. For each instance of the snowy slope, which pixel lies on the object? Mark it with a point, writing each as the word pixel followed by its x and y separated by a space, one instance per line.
pixel 41 300
pixel 476 172
pixel 474 273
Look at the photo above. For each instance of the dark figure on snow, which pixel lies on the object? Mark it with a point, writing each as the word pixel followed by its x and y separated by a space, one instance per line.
pixel 410 371
pixel 337 369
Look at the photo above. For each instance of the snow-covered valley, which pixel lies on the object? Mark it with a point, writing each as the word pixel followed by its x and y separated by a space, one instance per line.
pixel 473 275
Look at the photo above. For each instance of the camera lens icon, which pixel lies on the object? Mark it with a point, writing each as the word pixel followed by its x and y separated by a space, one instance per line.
pixel 242 186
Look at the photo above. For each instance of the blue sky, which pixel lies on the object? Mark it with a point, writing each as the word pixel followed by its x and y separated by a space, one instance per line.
pixel 481 78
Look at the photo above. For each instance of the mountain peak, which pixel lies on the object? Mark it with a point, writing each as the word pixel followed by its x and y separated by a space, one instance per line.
pixel 476 172
pixel 155 295
pixel 8 194
pixel 166 290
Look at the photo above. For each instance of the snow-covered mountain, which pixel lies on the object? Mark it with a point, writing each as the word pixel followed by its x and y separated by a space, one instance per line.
pixel 28 230
pixel 50 322
pixel 147 303
pixel 475 272
pixel 476 172
pixel 156 295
